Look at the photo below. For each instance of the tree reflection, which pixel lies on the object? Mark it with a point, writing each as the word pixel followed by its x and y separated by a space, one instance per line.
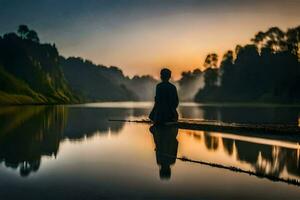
pixel 85 122
pixel 228 145
pixel 27 133
pixel 267 159
pixel 211 142
pixel 264 158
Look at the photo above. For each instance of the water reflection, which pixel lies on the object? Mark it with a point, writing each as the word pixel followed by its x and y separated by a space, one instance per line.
pixel 272 160
pixel 264 156
pixel 166 146
pixel 28 133
pixel 84 123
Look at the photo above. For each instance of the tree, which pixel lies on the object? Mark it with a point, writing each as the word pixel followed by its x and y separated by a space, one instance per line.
pixel 237 49
pixel 211 77
pixel 23 30
pixel 33 36
pixel 293 40
pixel 266 71
pixel 274 38
pixel 227 69
pixel 227 58
pixel 211 60
pixel 26 33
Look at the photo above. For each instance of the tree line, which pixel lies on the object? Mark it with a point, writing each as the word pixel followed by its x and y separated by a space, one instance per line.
pixel 35 73
pixel 267 70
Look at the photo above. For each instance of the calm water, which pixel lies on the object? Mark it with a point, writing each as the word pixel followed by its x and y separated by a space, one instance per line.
pixel 74 152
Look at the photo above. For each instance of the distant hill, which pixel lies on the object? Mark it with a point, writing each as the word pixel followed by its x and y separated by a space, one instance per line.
pixel 95 82
pixel 143 86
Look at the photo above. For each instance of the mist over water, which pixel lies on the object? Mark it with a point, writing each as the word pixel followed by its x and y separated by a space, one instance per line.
pixel 190 84
pixel 192 89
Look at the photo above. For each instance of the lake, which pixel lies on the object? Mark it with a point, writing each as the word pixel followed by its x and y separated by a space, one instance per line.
pixel 75 152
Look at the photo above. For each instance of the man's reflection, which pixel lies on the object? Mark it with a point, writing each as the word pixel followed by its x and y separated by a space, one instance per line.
pixel 166 148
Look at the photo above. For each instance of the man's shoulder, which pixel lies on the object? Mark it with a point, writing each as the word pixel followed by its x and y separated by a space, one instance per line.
pixel 171 85
pixel 165 84
pixel 159 85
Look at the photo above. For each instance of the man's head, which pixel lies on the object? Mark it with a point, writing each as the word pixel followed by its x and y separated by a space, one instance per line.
pixel 165 74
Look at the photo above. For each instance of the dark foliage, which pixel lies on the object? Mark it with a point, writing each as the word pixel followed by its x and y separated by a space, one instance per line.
pixel 31 72
pixel 35 65
pixel 266 71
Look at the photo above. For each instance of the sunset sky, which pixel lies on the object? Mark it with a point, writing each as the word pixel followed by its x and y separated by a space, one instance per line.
pixel 142 36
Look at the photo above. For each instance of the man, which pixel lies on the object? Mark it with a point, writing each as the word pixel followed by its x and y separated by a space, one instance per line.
pixel 166 100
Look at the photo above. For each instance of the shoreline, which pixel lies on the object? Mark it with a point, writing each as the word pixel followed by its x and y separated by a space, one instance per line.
pixel 182 104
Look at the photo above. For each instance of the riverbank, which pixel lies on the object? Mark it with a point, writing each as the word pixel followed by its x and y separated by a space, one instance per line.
pixel 19 100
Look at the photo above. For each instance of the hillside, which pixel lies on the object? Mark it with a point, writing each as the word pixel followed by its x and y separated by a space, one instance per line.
pixel 32 70
pixel 96 83
pixel 15 91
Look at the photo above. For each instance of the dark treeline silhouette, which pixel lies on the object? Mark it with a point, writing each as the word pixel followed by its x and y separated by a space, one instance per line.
pixel 266 71
pixel 35 73
pixel 30 72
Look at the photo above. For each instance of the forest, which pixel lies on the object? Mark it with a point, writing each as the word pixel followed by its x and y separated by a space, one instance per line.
pixel 267 70
pixel 35 73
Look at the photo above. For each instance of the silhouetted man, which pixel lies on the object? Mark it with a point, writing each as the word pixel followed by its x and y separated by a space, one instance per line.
pixel 166 146
pixel 166 100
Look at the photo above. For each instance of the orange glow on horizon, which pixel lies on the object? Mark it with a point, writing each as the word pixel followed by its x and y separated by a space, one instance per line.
pixel 179 40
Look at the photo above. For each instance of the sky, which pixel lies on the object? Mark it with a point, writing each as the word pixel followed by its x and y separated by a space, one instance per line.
pixel 142 36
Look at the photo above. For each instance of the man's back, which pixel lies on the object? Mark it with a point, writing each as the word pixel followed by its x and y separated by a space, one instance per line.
pixel 166 94
pixel 166 102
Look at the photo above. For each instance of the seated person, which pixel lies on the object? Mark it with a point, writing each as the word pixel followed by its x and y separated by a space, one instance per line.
pixel 166 100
